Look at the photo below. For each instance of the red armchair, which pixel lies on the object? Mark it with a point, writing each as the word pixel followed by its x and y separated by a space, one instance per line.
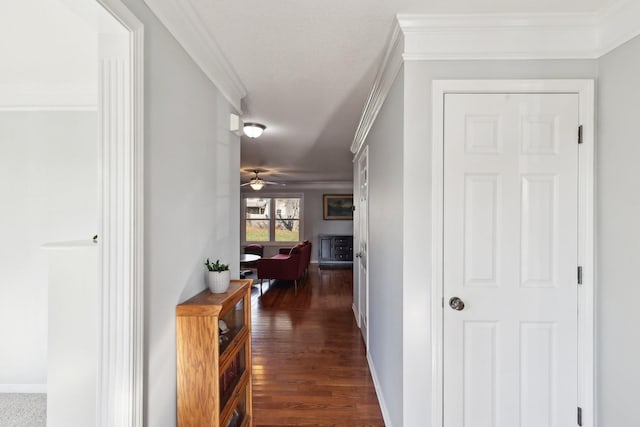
pixel 289 264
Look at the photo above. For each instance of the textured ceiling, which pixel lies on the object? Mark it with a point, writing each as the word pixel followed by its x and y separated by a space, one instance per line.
pixel 308 67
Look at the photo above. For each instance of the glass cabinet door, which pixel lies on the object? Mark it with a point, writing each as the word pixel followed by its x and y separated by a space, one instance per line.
pixel 239 413
pixel 231 324
pixel 231 376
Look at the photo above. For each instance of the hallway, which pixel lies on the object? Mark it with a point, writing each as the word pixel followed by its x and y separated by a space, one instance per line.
pixel 309 364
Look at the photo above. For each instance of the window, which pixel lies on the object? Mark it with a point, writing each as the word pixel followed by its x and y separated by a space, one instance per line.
pixel 257 221
pixel 260 225
pixel 287 220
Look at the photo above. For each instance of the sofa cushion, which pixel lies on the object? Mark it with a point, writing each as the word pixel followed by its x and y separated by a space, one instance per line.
pixel 296 249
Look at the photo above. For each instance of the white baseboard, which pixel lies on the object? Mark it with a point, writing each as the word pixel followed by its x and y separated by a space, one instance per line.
pixel 23 388
pixel 376 385
pixel 356 314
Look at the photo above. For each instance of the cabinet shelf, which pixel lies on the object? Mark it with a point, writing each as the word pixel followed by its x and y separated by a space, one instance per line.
pixel 213 337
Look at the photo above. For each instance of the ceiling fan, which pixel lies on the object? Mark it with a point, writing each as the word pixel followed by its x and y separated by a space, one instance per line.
pixel 257 183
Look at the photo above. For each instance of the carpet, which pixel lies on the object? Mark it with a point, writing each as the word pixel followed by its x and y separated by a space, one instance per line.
pixel 23 410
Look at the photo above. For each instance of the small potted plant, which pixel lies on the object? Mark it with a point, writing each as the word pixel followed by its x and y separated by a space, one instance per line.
pixel 218 278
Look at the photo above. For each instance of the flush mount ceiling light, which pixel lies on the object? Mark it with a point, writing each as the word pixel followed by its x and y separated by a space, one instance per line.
pixel 253 130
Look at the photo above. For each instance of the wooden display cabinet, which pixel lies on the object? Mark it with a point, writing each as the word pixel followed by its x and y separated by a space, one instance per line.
pixel 213 337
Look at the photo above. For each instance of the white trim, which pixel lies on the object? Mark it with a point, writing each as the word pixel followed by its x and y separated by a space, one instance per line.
pixel 437 251
pixel 137 374
pixel 365 296
pixel 586 302
pixel 355 271
pixel 586 256
pixel 378 389
pixel 618 24
pixel 519 36
pixel 385 76
pixel 185 24
pixel 355 314
pixel 23 388
pixel 121 343
pixel 360 310
pixel 499 36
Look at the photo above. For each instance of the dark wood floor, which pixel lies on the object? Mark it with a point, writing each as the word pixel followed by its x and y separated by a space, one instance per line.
pixel 309 364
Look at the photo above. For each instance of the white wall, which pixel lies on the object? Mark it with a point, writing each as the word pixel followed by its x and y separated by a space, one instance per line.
pixel 618 237
pixel 417 207
pixel 48 188
pixel 386 253
pixel 192 202
pixel 41 35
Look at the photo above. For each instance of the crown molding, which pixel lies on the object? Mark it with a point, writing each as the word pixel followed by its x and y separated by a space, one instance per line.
pixel 519 36
pixel 385 76
pixel 499 36
pixel 617 25
pixel 495 37
pixel 184 23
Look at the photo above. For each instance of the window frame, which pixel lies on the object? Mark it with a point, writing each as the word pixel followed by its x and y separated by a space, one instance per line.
pixel 272 218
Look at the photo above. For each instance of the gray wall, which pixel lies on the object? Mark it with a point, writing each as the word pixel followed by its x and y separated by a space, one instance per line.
pixel 385 251
pixel 48 193
pixel 618 237
pixel 314 224
pixel 191 199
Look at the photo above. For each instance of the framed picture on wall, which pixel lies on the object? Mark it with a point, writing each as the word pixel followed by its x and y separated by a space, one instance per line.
pixel 337 206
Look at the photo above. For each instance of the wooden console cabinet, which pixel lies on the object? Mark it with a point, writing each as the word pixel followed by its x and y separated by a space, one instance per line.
pixel 213 337
pixel 335 249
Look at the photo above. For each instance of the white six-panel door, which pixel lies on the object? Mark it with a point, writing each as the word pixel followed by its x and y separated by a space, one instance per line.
pixel 363 239
pixel 510 256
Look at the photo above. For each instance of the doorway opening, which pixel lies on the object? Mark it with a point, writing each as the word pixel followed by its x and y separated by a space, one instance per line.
pixel 105 199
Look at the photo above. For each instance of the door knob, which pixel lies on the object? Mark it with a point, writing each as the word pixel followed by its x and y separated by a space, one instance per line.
pixel 456 303
pixel 358 255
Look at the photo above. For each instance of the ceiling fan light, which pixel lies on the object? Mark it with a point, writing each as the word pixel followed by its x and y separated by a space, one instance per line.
pixel 256 184
pixel 253 130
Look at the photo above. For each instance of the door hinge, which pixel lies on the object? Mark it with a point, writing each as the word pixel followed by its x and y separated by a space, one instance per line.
pixel 579 275
pixel 579 416
pixel 580 134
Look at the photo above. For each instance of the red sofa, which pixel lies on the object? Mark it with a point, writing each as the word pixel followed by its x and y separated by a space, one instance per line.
pixel 288 264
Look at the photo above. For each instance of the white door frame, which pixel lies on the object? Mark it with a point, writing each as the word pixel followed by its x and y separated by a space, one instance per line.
pixel 121 191
pixel 586 303
pixel 355 305
pixel 363 297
